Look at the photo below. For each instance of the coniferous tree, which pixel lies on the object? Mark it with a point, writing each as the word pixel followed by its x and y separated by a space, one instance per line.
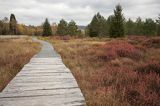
pixel 1 27
pixel 149 27
pixel 47 31
pixel 62 28
pixel 5 26
pixel 98 26
pixel 13 25
pixel 111 25
pixel 72 28
pixel 94 26
pixel 117 23
pixel 139 26
pixel 80 33
pixel 104 26
pixel 158 26
pixel 87 32
pixel 130 27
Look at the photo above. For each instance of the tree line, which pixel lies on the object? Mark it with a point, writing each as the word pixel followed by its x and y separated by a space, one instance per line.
pixel 63 28
pixel 114 26
pixel 11 27
pixel 117 26
pixel 8 27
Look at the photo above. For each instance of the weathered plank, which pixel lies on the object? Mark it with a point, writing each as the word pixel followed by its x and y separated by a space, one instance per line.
pixel 44 81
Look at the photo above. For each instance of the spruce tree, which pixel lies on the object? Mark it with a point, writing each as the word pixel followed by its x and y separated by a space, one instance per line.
pixel 130 27
pixel 13 25
pixel 94 27
pixel 1 27
pixel 149 27
pixel 72 28
pixel 6 26
pixel 62 28
pixel 158 26
pixel 47 31
pixel 139 26
pixel 103 28
pixel 112 29
pixel 98 26
pixel 117 24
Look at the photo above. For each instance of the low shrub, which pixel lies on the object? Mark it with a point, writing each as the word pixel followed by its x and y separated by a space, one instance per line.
pixel 152 43
pixel 106 55
pixel 57 37
pixel 119 49
pixel 148 68
pixel 134 97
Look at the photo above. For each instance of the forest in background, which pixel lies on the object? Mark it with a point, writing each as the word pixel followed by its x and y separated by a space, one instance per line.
pixel 114 26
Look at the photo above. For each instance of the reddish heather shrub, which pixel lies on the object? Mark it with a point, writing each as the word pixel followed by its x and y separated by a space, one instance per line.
pixel 153 84
pixel 52 37
pixel 136 89
pixel 138 39
pixel 107 55
pixel 65 38
pixel 150 88
pixel 148 68
pixel 58 37
pixel 153 43
pixel 117 76
pixel 119 49
pixel 134 97
pixel 141 48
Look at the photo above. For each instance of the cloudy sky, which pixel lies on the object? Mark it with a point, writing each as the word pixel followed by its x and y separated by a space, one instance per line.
pixel 34 12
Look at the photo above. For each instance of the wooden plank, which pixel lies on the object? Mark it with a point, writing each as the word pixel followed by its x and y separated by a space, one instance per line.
pixel 57 100
pixel 41 92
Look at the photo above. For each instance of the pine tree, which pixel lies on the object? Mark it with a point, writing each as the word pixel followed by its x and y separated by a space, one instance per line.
pixel 117 24
pixel 72 28
pixel 62 28
pixel 13 25
pixel 158 26
pixel 47 31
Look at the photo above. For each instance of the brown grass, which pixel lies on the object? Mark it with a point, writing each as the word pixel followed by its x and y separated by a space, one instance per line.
pixel 14 53
pixel 114 72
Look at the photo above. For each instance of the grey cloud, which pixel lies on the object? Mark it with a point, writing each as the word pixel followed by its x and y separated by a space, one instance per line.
pixel 82 11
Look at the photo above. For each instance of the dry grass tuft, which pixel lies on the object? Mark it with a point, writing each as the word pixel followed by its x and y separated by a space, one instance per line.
pixel 14 53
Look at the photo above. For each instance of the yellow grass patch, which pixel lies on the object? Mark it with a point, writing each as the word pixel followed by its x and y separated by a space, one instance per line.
pixel 14 54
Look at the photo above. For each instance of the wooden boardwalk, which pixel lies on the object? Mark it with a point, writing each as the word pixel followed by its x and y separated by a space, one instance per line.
pixel 44 81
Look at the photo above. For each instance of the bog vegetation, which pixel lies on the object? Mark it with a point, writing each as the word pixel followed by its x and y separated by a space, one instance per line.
pixel 14 54
pixel 114 72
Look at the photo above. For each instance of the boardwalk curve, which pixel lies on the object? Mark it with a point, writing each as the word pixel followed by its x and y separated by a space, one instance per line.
pixel 44 81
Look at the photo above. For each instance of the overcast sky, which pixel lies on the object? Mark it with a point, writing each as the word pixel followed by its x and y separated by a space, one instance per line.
pixel 34 12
